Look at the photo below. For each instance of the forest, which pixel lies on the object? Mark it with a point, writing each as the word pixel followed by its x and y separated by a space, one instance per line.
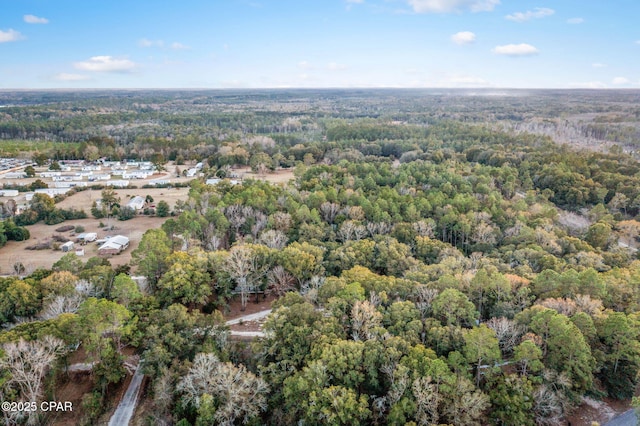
pixel 441 257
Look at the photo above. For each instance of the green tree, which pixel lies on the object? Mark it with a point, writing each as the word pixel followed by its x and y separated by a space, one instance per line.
pixel 174 333
pixel 125 290
pixel 151 255
pixel 162 209
pixel 101 320
pixel 566 349
pixel 186 280
pixel 481 349
pixel 512 400
pixel 43 205
pixel 618 335
pixel 453 307
pixel 69 262
pixel 30 171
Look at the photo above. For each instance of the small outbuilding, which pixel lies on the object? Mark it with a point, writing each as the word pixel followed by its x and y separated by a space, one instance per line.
pixel 86 237
pixel 67 247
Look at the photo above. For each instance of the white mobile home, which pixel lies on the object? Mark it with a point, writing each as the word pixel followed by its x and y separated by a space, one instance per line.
pixel 136 203
pixel 67 247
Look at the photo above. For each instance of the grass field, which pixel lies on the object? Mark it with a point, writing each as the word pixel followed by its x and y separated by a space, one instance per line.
pixel 23 148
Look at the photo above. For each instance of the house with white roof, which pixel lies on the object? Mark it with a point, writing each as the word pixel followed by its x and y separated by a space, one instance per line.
pixel 136 203
pixel 114 245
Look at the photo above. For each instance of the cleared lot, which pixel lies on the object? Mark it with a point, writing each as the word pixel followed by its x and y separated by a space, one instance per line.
pixel 15 251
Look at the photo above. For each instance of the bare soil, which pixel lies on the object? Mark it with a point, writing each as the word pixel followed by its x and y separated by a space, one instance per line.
pixel 279 176
pixel 597 411
pixel 83 200
pixel 32 259
pixel 235 306
pixel 77 385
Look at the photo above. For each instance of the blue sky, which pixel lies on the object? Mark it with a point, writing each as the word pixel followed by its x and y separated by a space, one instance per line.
pixel 319 43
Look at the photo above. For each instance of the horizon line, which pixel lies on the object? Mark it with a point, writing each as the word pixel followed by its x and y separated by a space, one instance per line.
pixel 22 89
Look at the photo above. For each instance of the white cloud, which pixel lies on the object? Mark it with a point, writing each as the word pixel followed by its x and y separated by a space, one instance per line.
pixel 9 35
pixel 304 65
pixel 620 80
pixel 63 76
pixel 575 21
pixel 355 1
pixel 598 65
pixel 33 19
pixel 537 13
pixel 588 85
pixel 150 43
pixel 145 42
pixel 522 49
pixel 463 37
pixel 447 6
pixel 179 46
pixel 637 41
pixel 105 64
pixel 334 66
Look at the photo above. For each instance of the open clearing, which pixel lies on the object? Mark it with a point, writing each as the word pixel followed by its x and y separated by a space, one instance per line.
pixel 84 199
pixel 279 176
pixel 15 251
pixel 32 259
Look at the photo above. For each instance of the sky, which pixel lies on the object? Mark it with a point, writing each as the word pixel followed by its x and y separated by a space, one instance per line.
pixel 70 44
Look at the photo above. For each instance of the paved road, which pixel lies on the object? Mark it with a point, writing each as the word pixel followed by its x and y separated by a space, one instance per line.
pixel 247 333
pixel 249 317
pixel 83 366
pixel 127 405
pixel 626 419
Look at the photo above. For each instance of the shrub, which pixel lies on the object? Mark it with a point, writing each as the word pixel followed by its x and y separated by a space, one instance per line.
pixel 162 209
pixel 54 218
pixel 28 217
pixel 126 213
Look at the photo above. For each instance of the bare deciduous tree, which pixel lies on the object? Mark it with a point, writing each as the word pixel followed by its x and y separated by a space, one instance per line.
pixel 427 401
pixel 309 289
pixel 424 297
pixel 584 303
pixel 364 319
pixel 163 388
pixel 424 228
pixel 350 230
pixel 280 281
pixel 241 395
pixel 27 363
pixel 484 233
pixel 274 239
pixel 87 289
pixel 329 211
pixel 235 216
pixel 562 306
pixel 378 228
pixel 508 333
pixel 242 266
pixel 260 221
pixel 281 221
pixel 62 304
